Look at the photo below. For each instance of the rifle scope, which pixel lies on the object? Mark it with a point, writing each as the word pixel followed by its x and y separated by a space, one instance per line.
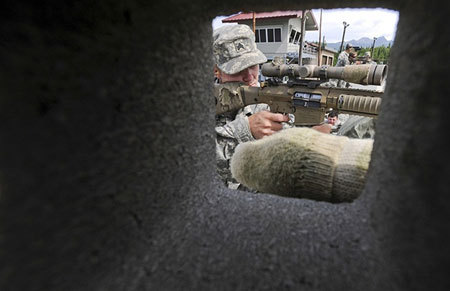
pixel 359 74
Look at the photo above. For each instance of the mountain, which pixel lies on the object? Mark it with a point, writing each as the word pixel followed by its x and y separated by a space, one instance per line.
pixel 363 42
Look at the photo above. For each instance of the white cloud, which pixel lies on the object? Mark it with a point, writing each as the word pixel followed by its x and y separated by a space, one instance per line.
pixel 363 23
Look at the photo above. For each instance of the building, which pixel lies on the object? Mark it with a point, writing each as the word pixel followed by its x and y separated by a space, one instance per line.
pixel 326 53
pixel 277 33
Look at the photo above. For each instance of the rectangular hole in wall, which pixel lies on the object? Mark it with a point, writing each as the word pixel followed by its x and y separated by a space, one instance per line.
pixel 278 35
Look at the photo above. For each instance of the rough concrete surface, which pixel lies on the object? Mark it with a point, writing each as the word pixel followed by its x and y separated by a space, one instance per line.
pixel 107 166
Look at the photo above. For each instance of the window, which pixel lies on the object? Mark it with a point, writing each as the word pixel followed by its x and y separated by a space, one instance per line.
pixel 262 35
pixel 277 34
pixel 292 36
pixel 268 35
pixel 297 37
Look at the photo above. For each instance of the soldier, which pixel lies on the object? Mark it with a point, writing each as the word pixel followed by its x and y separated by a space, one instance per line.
pixel 237 59
pixel 333 120
pixel 352 58
pixel 368 59
pixel 343 58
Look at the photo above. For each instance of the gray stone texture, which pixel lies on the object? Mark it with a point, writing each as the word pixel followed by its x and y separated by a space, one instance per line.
pixel 107 161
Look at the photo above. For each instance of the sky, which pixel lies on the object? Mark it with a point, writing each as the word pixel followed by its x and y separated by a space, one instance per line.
pixel 363 23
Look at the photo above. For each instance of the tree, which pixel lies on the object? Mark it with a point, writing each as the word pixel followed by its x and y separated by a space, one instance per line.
pixel 380 54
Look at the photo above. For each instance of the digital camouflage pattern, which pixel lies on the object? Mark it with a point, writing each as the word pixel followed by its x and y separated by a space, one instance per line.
pixel 360 127
pixel 234 49
pixel 343 60
pixel 232 128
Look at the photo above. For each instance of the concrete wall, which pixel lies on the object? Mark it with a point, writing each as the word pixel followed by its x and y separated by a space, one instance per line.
pixel 107 175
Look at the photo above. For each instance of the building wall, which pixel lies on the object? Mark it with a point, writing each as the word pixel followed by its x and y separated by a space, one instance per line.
pixel 294 23
pixel 327 57
pixel 276 48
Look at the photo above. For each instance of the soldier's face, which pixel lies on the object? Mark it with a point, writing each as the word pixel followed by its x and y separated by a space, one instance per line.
pixel 332 120
pixel 248 76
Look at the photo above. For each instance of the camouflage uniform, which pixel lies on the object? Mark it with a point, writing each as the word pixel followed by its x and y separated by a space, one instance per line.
pixel 233 128
pixel 358 127
pixel 234 50
pixel 368 59
pixel 343 60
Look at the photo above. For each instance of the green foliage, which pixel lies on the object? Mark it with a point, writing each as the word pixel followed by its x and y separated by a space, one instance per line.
pixel 380 54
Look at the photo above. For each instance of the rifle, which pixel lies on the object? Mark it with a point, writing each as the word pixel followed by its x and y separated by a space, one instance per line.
pixel 302 94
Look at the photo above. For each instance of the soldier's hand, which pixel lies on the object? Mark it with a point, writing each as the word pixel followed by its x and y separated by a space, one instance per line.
pixel 266 123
